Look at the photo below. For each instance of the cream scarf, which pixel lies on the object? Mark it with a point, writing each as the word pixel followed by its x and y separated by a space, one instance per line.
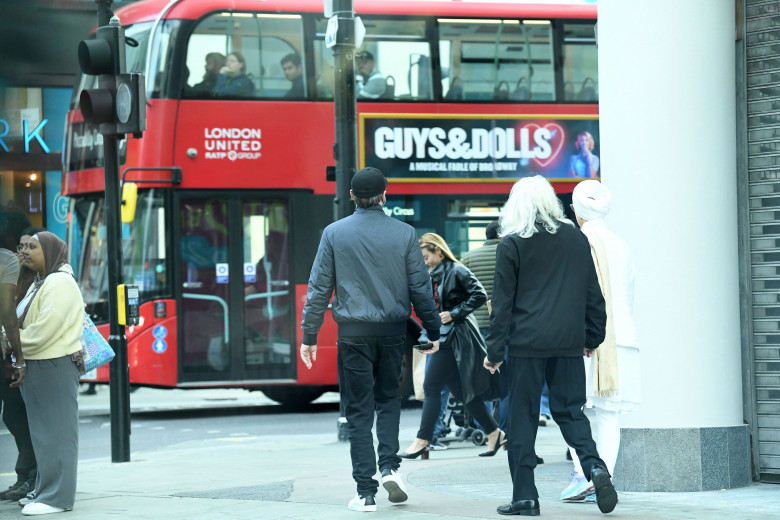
pixel 605 377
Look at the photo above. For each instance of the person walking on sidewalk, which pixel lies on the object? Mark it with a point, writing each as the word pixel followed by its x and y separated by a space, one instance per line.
pixel 375 265
pixel 457 293
pixel 547 295
pixel 51 317
pixel 12 222
pixel 613 377
pixel 14 409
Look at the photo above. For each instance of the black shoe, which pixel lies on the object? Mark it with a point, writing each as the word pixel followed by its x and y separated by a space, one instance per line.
pixel 500 441
pixel 520 507
pixel 21 491
pixel 11 489
pixel 606 496
pixel 422 453
pixel 539 460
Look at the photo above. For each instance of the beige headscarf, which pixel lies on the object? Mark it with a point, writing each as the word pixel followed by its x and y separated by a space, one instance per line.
pixel 591 201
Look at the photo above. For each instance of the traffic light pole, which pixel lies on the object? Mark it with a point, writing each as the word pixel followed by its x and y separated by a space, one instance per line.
pixel 119 371
pixel 345 148
pixel 346 108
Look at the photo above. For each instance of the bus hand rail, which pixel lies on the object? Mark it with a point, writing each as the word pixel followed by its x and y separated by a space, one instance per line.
pixel 267 295
pixel 217 299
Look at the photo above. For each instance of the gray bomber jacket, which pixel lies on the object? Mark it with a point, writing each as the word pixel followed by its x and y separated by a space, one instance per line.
pixel 375 265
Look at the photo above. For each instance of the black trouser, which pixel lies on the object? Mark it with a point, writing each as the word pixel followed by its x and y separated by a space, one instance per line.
pixel 15 419
pixel 566 380
pixel 371 371
pixel 443 371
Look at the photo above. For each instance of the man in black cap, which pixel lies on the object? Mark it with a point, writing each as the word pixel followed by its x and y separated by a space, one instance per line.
pixel 375 265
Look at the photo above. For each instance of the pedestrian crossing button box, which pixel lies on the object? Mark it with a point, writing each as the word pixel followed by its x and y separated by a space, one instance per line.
pixel 129 304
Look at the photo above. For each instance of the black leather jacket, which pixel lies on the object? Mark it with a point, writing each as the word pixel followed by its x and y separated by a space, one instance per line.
pixel 460 292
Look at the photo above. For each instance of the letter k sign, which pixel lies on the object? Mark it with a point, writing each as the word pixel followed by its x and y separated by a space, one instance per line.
pixel 29 136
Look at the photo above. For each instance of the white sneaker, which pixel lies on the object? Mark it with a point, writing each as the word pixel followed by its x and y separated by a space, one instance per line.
pixel 37 508
pixel 362 504
pixel 393 482
pixel 29 499
pixel 578 489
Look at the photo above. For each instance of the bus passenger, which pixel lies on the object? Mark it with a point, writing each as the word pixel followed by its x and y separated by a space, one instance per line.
pixel 214 63
pixel 370 83
pixel 293 71
pixel 232 80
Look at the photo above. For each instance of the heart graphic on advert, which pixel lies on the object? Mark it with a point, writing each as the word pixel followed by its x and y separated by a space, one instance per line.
pixel 556 141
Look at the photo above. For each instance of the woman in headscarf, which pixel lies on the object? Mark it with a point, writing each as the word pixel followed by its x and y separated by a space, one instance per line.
pixel 612 373
pixel 51 321
pixel 456 365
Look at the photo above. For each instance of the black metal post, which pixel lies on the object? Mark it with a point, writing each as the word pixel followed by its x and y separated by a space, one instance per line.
pixel 119 371
pixel 345 148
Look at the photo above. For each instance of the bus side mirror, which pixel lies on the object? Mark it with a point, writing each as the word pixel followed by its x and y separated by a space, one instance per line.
pixel 129 197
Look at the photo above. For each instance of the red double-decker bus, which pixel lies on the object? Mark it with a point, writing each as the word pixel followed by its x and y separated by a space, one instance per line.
pixel 231 172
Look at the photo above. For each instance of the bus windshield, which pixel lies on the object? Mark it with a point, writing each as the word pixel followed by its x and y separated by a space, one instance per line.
pixel 143 250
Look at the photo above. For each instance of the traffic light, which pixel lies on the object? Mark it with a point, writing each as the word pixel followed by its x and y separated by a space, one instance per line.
pixel 118 105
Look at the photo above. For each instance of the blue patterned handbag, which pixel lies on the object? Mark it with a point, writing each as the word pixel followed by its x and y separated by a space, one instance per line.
pixel 94 347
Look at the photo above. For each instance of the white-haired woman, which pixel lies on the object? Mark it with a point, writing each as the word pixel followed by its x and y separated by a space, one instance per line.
pixel 548 310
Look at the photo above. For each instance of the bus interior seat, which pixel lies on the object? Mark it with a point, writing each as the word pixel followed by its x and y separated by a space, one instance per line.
pixel 389 88
pixel 587 90
pixel 521 92
pixel 455 91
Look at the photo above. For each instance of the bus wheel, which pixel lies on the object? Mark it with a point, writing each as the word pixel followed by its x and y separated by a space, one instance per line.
pixel 295 396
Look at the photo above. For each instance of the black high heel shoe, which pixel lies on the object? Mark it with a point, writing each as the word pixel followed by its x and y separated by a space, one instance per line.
pixel 499 443
pixel 422 453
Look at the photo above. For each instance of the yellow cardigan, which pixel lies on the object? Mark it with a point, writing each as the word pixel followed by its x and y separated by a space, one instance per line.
pixel 55 322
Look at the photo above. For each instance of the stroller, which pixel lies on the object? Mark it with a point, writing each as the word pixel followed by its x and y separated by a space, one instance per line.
pixel 460 427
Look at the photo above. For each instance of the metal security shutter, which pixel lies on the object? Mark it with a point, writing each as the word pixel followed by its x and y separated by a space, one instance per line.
pixel 762 45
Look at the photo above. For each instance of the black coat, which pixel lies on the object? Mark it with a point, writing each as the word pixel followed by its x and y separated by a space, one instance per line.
pixel 546 297
pixel 460 293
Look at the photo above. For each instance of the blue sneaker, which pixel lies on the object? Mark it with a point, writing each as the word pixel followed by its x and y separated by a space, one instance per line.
pixel 590 499
pixel 578 489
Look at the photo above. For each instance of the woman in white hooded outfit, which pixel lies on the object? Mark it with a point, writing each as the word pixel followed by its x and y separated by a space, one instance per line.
pixel 613 374
pixel 51 323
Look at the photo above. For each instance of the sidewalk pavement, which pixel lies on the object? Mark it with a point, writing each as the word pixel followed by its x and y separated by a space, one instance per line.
pixel 308 476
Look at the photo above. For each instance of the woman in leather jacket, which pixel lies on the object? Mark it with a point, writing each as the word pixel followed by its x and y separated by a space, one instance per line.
pixel 457 364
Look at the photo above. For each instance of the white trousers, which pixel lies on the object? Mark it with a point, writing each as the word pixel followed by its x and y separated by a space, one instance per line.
pixel 607 441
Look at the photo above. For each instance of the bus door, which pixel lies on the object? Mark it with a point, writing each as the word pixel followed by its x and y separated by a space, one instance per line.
pixel 237 318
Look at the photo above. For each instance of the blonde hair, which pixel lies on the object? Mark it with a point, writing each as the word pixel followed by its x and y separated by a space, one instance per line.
pixel 532 203
pixel 435 244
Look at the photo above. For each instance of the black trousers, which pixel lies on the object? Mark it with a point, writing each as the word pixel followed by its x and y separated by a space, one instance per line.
pixel 443 371
pixel 15 419
pixel 371 372
pixel 566 380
